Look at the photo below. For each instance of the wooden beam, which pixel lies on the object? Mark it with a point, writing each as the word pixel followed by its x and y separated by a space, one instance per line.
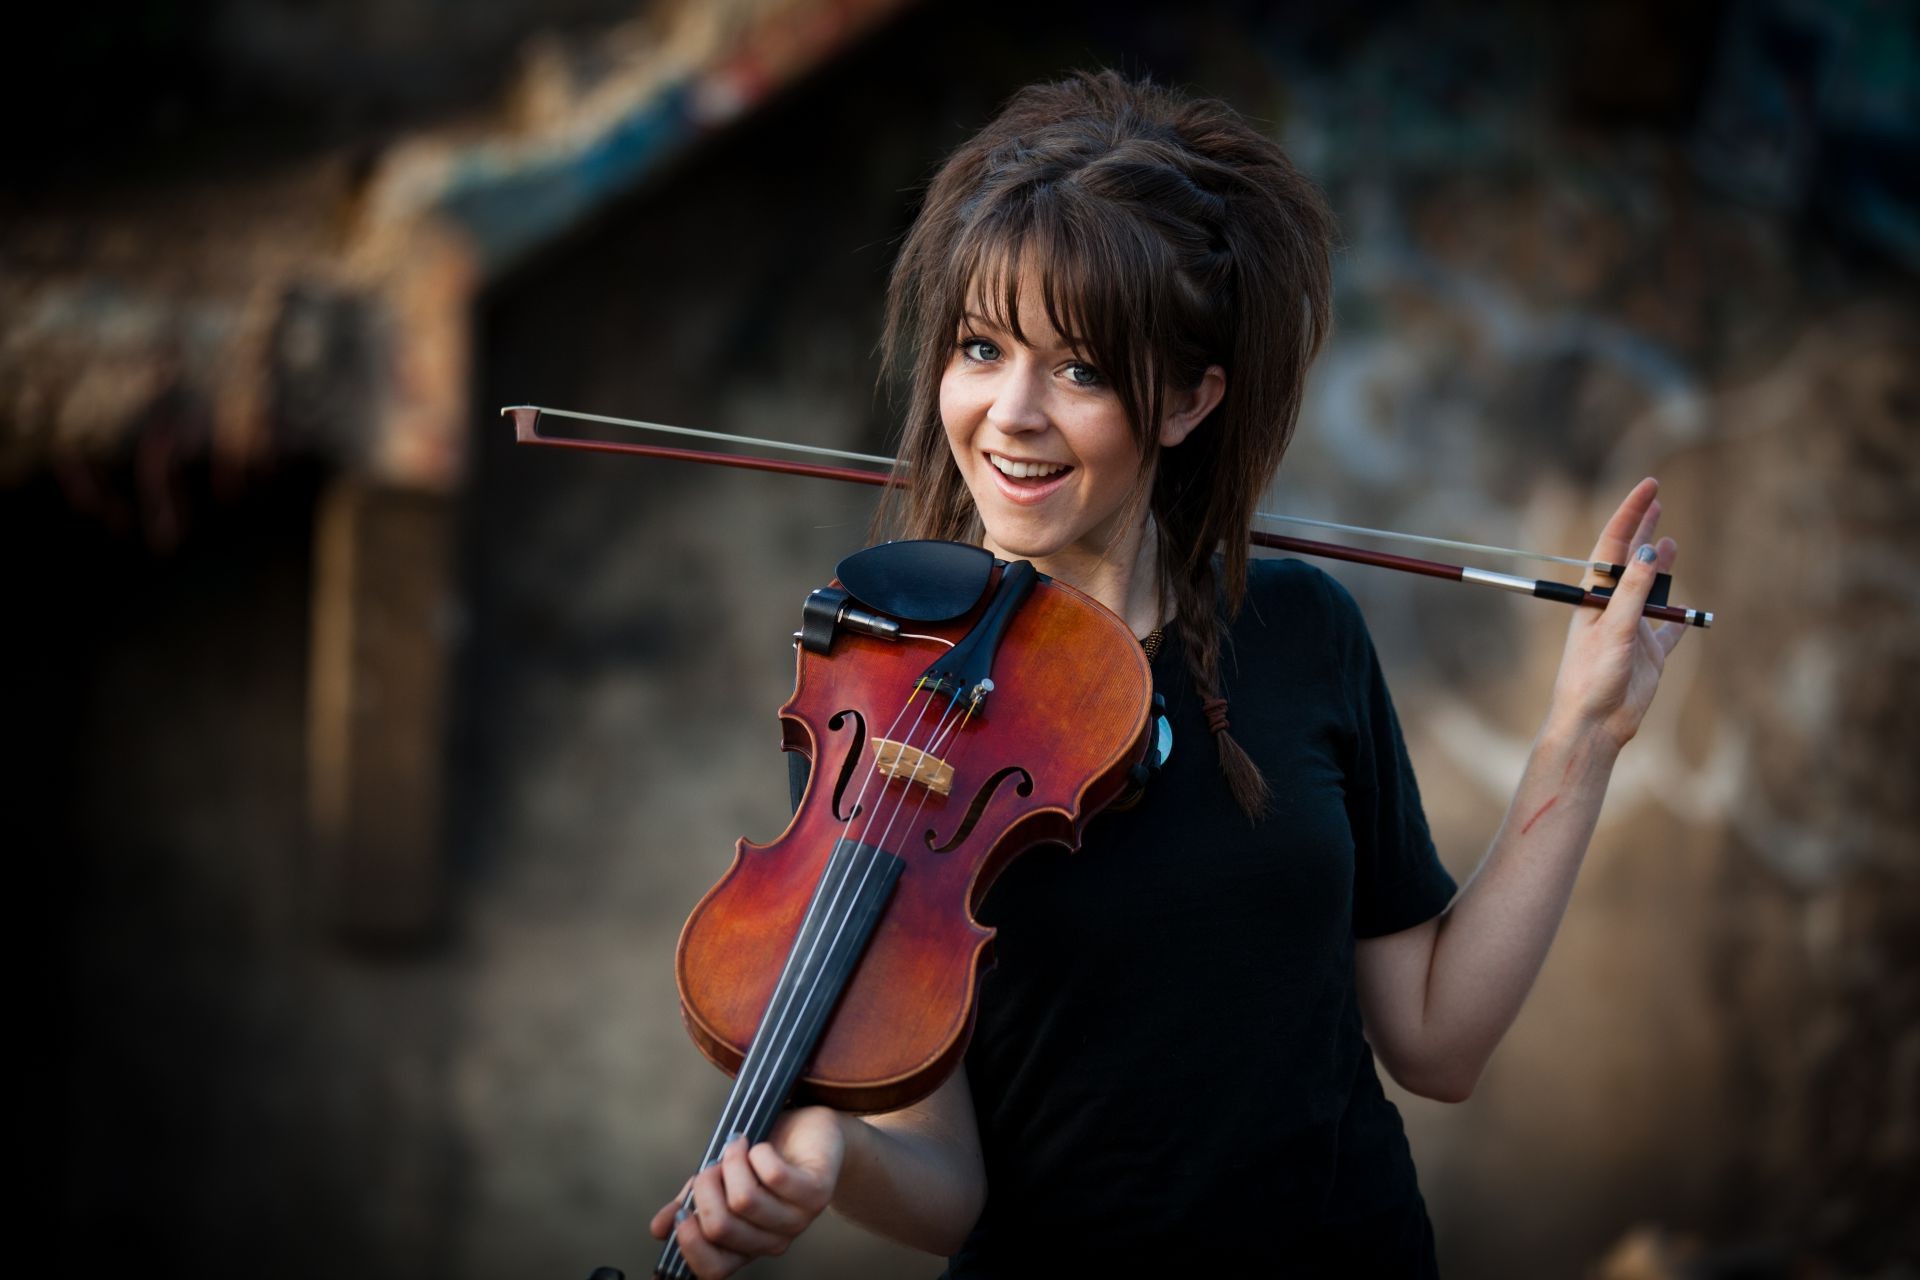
pixel 378 698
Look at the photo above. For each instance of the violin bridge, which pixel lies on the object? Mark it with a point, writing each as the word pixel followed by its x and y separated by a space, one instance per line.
pixel 911 764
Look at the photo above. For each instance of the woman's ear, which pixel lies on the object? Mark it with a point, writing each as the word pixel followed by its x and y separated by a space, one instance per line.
pixel 1191 407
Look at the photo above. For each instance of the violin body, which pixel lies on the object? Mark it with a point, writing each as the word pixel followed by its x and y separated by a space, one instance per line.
pixel 1055 741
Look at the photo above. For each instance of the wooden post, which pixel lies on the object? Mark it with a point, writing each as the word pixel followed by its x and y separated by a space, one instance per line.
pixel 378 697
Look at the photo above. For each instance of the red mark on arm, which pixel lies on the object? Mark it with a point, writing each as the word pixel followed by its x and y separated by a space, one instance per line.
pixel 1537 814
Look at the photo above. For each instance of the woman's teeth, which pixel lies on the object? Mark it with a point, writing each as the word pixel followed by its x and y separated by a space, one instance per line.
pixel 1025 470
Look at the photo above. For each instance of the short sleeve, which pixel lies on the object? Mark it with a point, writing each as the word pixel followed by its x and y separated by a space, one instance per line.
pixel 1399 881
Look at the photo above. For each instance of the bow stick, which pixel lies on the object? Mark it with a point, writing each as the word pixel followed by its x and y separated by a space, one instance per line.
pixel 526 428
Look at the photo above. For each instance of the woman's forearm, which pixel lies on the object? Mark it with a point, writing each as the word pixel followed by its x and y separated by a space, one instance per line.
pixel 1489 945
pixel 918 1185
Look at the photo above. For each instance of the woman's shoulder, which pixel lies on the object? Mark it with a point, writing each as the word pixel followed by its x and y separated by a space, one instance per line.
pixel 1282 591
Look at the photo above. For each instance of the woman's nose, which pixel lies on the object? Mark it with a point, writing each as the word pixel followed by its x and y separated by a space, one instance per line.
pixel 1017 403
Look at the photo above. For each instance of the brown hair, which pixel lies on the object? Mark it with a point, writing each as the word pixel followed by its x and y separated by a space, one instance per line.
pixel 1169 235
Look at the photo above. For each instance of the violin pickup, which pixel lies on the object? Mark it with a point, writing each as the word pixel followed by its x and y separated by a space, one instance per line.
pixel 911 764
pixel 828 610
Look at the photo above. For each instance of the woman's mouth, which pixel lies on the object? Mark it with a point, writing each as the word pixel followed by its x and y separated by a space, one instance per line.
pixel 1026 481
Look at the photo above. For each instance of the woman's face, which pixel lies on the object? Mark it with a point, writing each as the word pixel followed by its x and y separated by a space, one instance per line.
pixel 1039 436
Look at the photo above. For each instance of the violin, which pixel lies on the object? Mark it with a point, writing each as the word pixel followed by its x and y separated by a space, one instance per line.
pixel 957 711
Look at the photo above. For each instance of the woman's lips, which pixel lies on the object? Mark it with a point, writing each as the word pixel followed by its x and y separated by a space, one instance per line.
pixel 1024 492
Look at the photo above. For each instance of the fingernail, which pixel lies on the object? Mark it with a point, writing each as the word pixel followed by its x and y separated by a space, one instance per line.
pixel 1646 553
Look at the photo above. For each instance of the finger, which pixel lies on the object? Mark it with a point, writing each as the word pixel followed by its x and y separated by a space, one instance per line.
pixel 721 1225
pixel 790 1182
pixel 1616 540
pixel 750 1199
pixel 1623 611
pixel 1643 533
pixel 708 1260
pixel 1666 635
pixel 662 1223
pixel 1665 552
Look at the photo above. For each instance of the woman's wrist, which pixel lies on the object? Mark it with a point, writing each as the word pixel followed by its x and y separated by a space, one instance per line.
pixel 856 1147
pixel 911 1186
pixel 1585 739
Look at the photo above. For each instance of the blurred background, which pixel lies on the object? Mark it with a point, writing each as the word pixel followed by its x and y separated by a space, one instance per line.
pixel 363 766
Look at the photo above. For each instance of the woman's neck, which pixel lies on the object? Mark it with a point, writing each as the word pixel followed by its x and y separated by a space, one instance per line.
pixel 1125 576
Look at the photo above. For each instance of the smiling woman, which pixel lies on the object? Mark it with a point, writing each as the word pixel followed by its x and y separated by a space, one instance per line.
pixel 1107 306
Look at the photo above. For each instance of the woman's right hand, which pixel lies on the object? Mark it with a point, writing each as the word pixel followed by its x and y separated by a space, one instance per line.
pixel 753 1202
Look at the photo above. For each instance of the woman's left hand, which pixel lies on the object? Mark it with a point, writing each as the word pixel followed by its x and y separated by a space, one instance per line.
pixel 1614 655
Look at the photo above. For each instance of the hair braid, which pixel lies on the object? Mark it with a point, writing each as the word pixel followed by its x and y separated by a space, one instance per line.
pixel 1197 621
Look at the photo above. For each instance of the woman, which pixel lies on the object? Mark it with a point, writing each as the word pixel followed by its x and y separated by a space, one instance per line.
pixel 1109 302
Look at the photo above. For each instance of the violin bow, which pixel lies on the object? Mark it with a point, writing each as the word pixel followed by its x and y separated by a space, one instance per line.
pixel 526 427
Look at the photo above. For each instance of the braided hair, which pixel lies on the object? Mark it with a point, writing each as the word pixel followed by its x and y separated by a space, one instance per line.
pixel 1169 235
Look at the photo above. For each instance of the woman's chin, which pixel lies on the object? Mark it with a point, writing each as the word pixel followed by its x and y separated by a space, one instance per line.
pixel 1016 543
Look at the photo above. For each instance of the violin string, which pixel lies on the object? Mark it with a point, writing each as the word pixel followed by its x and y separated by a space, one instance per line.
pixel 937 745
pixel 767 1102
pixel 906 742
pixel 942 728
pixel 948 757
pixel 755 1089
pixel 798 1034
pixel 745 1082
pixel 757 1075
pixel 866 843
pixel 809 1010
pixel 762 1106
pixel 746 1085
pixel 752 1067
pixel 758 1094
pixel 768 1067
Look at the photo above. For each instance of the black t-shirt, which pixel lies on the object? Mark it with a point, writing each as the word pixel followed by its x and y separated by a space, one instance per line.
pixel 1169 1070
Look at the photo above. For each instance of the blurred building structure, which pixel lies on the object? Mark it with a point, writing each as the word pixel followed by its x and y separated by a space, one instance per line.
pixel 371 764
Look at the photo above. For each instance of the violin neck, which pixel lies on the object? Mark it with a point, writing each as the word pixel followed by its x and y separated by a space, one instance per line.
pixel 846 907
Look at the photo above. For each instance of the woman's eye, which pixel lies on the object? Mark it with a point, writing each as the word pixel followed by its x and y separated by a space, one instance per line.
pixel 1084 375
pixel 978 349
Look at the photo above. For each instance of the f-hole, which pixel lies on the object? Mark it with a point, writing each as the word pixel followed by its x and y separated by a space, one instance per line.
pixel 854 750
pixel 980 798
